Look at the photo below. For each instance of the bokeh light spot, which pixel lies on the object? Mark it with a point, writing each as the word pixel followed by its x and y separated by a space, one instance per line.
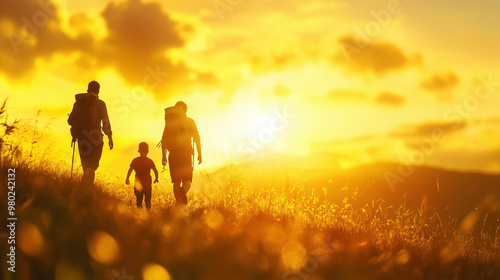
pixel 31 240
pixel 103 247
pixel 214 219
pixel 153 271
pixel 402 257
pixel 293 255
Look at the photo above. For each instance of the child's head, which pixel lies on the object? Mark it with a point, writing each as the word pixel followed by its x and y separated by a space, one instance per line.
pixel 143 148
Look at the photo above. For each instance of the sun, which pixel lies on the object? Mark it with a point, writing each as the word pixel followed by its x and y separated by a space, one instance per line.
pixel 243 125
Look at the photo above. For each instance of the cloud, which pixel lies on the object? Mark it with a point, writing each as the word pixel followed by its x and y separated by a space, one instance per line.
pixel 263 63
pixel 344 142
pixel 356 149
pixel 281 91
pixel 345 94
pixel 16 10
pixel 390 99
pixel 494 121
pixel 34 30
pixel 140 28
pixel 138 37
pixel 378 58
pixel 427 129
pixel 440 81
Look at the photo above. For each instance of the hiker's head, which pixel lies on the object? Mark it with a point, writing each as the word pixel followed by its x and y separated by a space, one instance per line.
pixel 182 105
pixel 94 87
pixel 143 148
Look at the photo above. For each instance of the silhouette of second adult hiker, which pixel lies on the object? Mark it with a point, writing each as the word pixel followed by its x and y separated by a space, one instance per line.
pixel 176 140
pixel 88 113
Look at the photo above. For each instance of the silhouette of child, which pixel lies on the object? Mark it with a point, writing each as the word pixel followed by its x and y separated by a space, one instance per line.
pixel 142 166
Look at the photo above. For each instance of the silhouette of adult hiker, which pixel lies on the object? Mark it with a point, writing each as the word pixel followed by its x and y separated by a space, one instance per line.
pixel 88 113
pixel 177 135
pixel 142 166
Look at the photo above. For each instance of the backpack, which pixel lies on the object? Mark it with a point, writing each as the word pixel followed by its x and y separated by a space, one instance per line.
pixel 84 116
pixel 175 133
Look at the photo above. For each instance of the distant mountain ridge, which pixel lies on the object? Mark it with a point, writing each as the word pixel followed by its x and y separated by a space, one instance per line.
pixel 452 193
pixel 460 192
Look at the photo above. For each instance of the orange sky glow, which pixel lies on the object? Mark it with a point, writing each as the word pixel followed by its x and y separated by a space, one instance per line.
pixel 357 81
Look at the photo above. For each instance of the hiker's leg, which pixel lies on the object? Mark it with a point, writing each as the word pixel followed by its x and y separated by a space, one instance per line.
pixel 186 184
pixel 179 161
pixel 177 192
pixel 92 175
pixel 90 155
pixel 183 197
pixel 84 151
pixel 95 158
pixel 88 176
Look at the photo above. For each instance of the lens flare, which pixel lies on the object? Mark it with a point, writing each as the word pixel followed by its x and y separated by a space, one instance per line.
pixel 138 186
pixel 103 247
pixel 293 255
pixel 153 271
pixel 402 257
pixel 214 219
pixel 31 240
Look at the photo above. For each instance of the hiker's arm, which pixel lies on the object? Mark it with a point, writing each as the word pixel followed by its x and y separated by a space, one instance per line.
pixel 156 174
pixel 127 181
pixel 164 155
pixel 198 149
pixel 163 145
pixel 111 144
pixel 197 141
pixel 106 125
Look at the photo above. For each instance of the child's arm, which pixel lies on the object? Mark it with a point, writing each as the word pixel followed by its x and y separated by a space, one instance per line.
pixel 156 173
pixel 127 181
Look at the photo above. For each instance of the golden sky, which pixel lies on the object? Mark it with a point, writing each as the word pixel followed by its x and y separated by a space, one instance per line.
pixel 358 81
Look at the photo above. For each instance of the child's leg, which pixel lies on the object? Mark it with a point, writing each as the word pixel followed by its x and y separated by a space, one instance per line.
pixel 147 196
pixel 138 195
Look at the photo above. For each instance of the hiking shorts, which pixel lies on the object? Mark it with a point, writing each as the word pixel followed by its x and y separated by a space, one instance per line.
pixel 180 164
pixel 90 153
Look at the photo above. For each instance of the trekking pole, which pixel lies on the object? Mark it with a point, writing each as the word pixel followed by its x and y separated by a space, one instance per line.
pixel 72 158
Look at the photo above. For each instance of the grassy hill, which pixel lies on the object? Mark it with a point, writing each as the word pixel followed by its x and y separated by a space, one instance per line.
pixel 232 231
